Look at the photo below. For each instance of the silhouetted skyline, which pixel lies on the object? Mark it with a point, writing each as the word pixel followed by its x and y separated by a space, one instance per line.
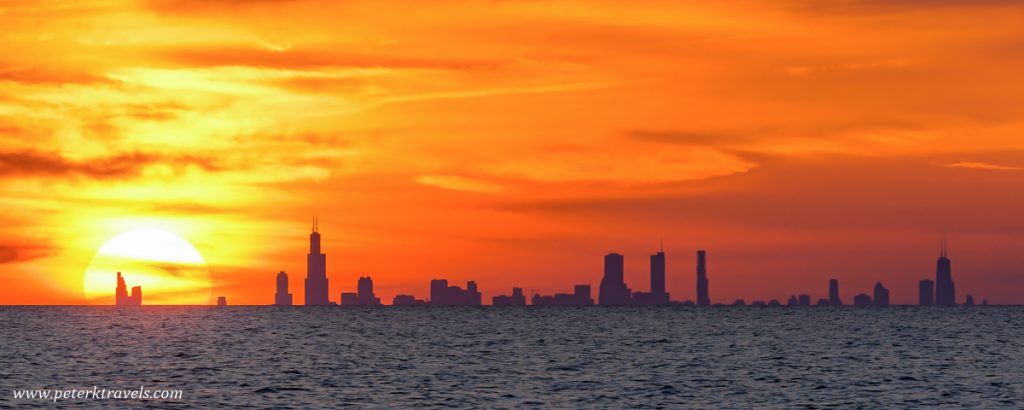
pixel 613 290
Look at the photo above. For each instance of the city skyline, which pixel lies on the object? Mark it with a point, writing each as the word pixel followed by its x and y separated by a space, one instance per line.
pixel 612 292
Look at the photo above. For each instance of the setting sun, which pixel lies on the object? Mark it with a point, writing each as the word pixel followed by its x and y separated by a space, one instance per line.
pixel 169 269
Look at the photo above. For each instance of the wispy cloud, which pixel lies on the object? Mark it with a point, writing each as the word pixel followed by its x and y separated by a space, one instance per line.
pixel 983 165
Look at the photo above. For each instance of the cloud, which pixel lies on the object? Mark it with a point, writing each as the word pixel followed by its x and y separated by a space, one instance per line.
pixel 14 253
pixel 983 165
pixel 43 164
pixel 460 183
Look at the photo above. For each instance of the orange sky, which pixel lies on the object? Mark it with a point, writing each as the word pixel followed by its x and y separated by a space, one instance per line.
pixel 515 143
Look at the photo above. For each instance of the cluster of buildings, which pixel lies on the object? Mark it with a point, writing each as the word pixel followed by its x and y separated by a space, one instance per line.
pixel 121 297
pixel 613 290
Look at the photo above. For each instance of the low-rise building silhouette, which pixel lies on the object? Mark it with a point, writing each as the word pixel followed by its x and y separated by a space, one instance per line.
pixel 407 300
pixel 282 297
pixel 121 297
pixel 443 295
pixel 862 299
pixel 579 297
pixel 222 300
pixel 805 300
pixel 969 301
pixel 517 299
pixel 364 296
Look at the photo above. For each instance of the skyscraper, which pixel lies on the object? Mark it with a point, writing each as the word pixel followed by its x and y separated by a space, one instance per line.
pixel 881 295
pixel 945 290
pixel 926 292
pixel 703 299
pixel 121 297
pixel 658 294
pixel 833 293
pixel 282 297
pixel 316 271
pixel 613 289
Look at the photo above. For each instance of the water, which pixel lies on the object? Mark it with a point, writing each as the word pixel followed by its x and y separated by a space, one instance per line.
pixel 554 357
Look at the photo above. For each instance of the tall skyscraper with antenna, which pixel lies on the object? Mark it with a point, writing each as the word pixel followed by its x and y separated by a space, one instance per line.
pixel 945 289
pixel 316 270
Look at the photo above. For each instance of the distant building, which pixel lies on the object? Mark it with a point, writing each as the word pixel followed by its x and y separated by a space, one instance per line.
pixel 222 301
pixel 881 295
pixel 862 299
pixel 805 300
pixel 316 271
pixel 443 295
pixel 407 300
pixel 969 301
pixel 822 302
pixel 121 297
pixel 579 297
pixel 517 299
pixel 613 290
pixel 364 296
pixel 774 303
pixel 758 303
pixel 945 289
pixel 833 293
pixel 926 292
pixel 703 297
pixel 657 295
pixel 739 302
pixel 793 301
pixel 282 297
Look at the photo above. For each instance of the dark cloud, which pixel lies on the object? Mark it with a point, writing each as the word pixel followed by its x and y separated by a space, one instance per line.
pixel 49 164
pixel 14 253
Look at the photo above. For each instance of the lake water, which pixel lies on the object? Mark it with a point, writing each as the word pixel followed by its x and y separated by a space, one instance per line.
pixel 557 357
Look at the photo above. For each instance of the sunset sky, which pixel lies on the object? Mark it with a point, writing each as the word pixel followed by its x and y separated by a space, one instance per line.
pixel 515 143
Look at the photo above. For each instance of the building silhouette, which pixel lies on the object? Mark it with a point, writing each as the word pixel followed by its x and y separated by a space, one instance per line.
pixel 121 297
pixel 407 300
pixel 793 301
pixel 945 290
pixel 805 300
pixel 657 295
pixel 613 290
pixel 282 297
pixel 926 292
pixel 881 295
pixel 862 299
pixel 364 295
pixel 316 271
pixel 517 299
pixel 703 298
pixel 443 295
pixel 833 293
pixel 222 300
pixel 969 301
pixel 579 297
